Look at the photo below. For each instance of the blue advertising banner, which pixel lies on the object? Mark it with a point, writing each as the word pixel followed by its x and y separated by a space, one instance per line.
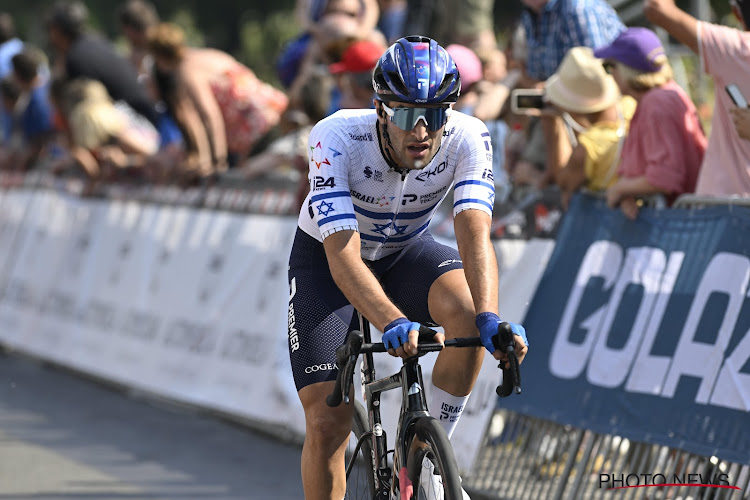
pixel 640 328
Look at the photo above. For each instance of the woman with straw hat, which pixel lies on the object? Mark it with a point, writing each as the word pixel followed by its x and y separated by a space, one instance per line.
pixel 597 116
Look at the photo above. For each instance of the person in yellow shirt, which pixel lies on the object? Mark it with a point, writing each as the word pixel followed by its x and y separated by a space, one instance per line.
pixel 593 122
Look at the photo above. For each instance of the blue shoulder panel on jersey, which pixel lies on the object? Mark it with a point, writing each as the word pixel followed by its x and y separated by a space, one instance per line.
pixel 472 200
pixel 325 196
pixel 481 183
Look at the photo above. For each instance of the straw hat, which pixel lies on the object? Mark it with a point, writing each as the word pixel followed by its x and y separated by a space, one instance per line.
pixel 581 84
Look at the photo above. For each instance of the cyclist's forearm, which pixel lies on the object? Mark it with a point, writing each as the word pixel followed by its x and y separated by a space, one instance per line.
pixel 478 255
pixel 357 282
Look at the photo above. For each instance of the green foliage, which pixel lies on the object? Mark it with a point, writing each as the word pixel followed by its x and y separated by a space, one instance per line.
pixel 261 39
pixel 185 20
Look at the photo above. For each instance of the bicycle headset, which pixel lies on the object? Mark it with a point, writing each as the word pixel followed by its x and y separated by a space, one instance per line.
pixel 415 70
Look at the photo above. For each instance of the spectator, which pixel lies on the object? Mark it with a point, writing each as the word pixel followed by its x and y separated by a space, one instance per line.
pixel 494 64
pixel 480 98
pixel 364 12
pixel 327 40
pixel 354 74
pixel 725 55
pixel 664 148
pixel 465 22
pixel 213 93
pixel 10 45
pixel 551 28
pixel 135 18
pixel 81 55
pixel 741 119
pixel 590 103
pixel 10 92
pixel 32 114
pixel 107 139
pixel 288 156
pixel 392 19
pixel 484 99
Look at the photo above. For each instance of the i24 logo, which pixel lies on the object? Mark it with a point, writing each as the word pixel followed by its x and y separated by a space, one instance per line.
pixel 321 182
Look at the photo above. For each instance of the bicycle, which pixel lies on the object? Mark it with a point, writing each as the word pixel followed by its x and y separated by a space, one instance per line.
pixel 423 466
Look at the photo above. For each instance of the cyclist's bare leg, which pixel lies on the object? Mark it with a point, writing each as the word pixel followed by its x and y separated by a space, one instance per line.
pixel 326 435
pixel 451 306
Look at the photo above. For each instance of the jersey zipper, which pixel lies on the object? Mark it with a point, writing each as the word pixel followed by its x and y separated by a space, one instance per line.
pixel 400 196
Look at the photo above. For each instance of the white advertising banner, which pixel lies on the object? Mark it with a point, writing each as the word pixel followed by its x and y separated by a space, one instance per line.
pixel 188 303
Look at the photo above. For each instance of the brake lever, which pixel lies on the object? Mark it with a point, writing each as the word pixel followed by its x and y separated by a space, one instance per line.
pixel 346 359
pixel 511 375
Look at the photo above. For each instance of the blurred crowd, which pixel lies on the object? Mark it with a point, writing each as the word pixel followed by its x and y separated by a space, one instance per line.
pixel 573 99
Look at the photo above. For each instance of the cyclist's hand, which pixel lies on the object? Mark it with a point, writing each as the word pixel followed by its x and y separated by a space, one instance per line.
pixel 401 337
pixel 488 323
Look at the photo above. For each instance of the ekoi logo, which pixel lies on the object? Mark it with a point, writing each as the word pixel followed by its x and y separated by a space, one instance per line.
pixel 623 481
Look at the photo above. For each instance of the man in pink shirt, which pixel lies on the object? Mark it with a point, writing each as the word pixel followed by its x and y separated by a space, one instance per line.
pixel 664 147
pixel 725 55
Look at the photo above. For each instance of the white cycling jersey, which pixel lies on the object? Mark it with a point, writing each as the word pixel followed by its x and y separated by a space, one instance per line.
pixel 353 187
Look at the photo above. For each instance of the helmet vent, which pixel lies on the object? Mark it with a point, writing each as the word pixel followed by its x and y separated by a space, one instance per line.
pixel 398 83
pixel 445 84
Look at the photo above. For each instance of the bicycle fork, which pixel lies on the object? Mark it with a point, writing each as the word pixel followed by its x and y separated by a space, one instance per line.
pixel 414 408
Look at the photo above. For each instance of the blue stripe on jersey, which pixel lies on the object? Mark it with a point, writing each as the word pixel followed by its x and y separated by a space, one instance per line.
pixel 481 183
pixel 472 200
pixel 324 196
pixel 367 237
pixel 416 215
pixel 336 217
pixel 397 239
pixel 409 236
pixel 373 215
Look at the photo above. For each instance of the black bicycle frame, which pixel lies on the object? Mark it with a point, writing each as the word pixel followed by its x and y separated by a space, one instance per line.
pixel 413 406
pixel 409 378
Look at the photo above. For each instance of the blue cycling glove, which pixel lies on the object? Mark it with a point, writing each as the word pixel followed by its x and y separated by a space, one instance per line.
pixel 487 322
pixel 397 332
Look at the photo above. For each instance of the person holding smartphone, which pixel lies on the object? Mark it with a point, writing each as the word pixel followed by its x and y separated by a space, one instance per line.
pixel 725 55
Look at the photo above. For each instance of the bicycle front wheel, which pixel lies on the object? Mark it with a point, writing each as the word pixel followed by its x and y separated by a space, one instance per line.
pixel 360 473
pixel 431 465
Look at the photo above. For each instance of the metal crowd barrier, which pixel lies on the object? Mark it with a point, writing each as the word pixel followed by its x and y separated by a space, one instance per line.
pixel 526 458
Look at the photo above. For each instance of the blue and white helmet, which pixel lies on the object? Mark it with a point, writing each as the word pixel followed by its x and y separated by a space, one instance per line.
pixel 416 70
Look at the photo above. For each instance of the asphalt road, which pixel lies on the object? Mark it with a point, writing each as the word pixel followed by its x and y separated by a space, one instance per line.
pixel 66 437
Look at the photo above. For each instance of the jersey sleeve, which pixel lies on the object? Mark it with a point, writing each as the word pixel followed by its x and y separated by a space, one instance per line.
pixel 474 185
pixel 330 203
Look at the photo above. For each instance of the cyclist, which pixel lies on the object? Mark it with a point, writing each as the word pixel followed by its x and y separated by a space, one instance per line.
pixel 377 176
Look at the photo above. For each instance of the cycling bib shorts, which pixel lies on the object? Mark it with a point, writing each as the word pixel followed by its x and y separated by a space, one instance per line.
pixel 320 316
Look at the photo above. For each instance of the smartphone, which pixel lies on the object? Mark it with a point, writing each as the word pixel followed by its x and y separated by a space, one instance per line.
pixel 734 93
pixel 527 101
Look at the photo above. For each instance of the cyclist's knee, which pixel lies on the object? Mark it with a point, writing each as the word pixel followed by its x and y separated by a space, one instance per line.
pixel 324 423
pixel 455 315
pixel 451 304
pixel 328 426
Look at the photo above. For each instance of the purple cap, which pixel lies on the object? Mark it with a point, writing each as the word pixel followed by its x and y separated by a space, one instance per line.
pixel 634 47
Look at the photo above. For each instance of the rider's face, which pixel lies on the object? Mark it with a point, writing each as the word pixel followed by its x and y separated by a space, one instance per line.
pixel 412 149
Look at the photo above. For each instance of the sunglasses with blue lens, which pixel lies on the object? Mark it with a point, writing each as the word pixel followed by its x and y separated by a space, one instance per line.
pixel 407 118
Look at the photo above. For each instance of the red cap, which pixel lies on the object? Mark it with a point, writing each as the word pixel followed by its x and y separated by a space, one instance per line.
pixel 359 57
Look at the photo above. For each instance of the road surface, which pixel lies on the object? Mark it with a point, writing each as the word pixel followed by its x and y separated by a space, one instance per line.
pixel 66 437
